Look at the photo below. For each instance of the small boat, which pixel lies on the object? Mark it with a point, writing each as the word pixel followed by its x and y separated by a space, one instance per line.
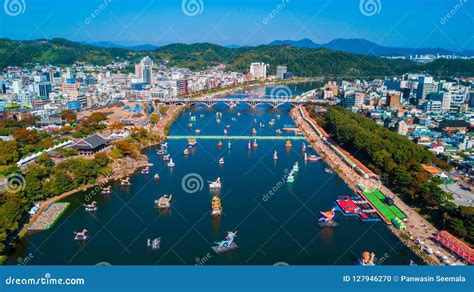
pixel 107 190
pixel 221 161
pixel 412 263
pixel 234 119
pixel 227 244
pixel 190 125
pixel 171 163
pixel 225 132
pixel 125 181
pixel 186 152
pixel 192 141
pixel 163 202
pixel 166 157
pixel 249 146
pixel 156 177
pixel 192 119
pixel 254 121
pixel 201 116
pixel 305 157
pixel 278 116
pixel 278 132
pixel 303 148
pixel 328 170
pixel 290 178
pixel 146 170
pixel 218 121
pixel 92 207
pixel 227 127
pixel 164 145
pixel 262 125
pixel 296 167
pixel 228 144
pixel 255 145
pixel 216 206
pixel 314 158
pixel 272 122
pixel 154 244
pixel 197 131
pixel 275 155
pixel 161 152
pixel 238 114
pixel 80 236
pixel 215 184
pixel 288 143
pixel 219 144
pixel 254 132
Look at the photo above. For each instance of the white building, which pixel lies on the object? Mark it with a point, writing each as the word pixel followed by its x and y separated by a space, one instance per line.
pixel 144 70
pixel 281 71
pixel 258 70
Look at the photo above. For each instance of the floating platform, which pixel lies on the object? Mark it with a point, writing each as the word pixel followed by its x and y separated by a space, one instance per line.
pixel 347 205
pixel 379 202
pixel 49 216
pixel 224 249
pixel 356 206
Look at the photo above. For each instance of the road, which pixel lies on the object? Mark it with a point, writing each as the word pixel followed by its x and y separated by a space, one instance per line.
pixel 417 227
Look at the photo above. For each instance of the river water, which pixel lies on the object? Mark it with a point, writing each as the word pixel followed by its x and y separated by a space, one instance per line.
pixel 276 221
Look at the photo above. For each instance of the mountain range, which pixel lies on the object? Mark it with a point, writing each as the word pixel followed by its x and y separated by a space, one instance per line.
pixel 300 61
pixel 365 47
pixel 144 47
pixel 354 46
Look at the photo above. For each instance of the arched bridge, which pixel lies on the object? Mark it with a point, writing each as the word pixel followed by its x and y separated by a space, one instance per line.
pixel 233 102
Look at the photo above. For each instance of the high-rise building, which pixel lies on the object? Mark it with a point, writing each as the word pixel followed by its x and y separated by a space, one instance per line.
pixel 258 70
pixel 16 86
pixel 3 87
pixel 394 99
pixel 458 100
pixel 70 90
pixel 433 106
pixel 41 87
pixel 144 70
pixel 402 128
pixel 355 100
pixel 182 86
pixel 281 72
pixel 425 87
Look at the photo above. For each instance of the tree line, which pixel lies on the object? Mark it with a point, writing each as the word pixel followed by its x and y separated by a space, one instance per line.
pixel 398 161
pixel 300 61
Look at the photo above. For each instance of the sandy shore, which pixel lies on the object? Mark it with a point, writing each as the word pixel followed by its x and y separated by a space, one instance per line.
pixel 417 226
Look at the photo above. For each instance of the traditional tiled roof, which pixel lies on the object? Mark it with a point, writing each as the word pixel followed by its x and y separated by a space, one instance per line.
pixel 91 142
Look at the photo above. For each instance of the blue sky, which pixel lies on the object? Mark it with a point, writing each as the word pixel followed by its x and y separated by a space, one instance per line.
pixel 402 23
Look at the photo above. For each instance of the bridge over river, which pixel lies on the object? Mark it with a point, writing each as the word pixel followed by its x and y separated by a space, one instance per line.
pixel 273 101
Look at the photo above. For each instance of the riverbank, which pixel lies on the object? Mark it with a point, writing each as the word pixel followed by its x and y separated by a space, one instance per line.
pixel 119 168
pixel 417 226
pixel 251 85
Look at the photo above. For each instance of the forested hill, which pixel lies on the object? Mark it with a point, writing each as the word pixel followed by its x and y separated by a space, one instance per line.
pixel 300 61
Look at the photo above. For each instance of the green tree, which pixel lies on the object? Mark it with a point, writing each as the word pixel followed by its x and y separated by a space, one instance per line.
pixel 8 152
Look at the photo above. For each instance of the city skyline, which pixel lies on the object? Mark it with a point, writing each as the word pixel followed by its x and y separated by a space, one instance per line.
pixel 164 22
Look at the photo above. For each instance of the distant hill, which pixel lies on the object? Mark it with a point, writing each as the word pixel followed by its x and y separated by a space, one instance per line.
pixel 144 47
pixel 365 47
pixel 300 61
pixel 304 43
pixel 55 51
